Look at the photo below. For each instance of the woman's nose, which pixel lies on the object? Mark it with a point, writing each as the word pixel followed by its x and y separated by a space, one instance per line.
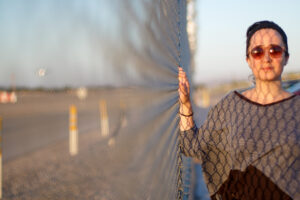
pixel 267 57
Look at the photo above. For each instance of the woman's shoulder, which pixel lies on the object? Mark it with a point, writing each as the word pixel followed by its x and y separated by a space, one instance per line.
pixel 225 101
pixel 296 98
pixel 229 96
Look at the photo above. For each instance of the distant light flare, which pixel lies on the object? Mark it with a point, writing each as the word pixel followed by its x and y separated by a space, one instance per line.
pixel 42 72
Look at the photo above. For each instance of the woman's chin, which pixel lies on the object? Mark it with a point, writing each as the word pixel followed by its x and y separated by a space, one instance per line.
pixel 269 78
pixel 268 75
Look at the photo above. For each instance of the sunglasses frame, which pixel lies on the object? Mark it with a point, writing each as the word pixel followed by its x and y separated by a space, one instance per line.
pixel 261 54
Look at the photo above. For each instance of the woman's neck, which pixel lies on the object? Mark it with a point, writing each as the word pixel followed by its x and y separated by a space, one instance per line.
pixel 266 92
pixel 268 88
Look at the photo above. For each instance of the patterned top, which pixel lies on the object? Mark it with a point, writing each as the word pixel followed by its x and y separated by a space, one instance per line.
pixel 239 135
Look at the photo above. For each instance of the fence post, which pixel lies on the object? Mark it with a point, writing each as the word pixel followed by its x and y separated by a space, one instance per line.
pixel 205 98
pixel 103 118
pixel 73 131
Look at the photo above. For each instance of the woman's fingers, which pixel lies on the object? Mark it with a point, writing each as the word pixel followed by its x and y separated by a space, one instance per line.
pixel 182 76
pixel 184 86
pixel 183 89
pixel 183 80
pixel 183 93
pixel 188 86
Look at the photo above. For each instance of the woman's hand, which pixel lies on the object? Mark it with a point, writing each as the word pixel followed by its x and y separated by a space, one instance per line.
pixel 184 87
pixel 185 109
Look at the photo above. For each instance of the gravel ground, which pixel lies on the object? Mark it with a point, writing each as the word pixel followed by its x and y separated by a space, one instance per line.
pixel 51 173
pixel 37 163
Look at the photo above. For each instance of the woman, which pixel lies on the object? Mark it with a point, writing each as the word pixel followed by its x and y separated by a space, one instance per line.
pixel 249 143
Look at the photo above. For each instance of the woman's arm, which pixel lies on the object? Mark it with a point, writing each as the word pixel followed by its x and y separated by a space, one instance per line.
pixel 185 110
pixel 196 141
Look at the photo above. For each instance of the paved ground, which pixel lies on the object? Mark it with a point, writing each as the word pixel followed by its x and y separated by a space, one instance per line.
pixel 51 173
pixel 37 164
pixel 39 119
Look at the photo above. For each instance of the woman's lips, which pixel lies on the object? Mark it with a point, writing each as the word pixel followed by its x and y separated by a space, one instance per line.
pixel 267 68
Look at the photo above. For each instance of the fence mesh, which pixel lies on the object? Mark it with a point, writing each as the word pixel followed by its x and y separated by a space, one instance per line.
pixel 115 137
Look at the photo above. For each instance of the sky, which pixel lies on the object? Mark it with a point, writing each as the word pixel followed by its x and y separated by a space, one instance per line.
pixel 65 38
pixel 220 52
pixel 221 35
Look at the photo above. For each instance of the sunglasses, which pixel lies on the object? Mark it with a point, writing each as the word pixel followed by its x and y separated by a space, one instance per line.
pixel 275 51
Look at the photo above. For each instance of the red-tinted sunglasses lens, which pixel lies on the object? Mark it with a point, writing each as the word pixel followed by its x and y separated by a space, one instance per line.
pixel 274 52
pixel 257 53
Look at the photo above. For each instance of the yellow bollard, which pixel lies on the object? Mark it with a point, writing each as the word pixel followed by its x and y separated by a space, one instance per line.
pixel 0 157
pixel 103 118
pixel 205 98
pixel 73 131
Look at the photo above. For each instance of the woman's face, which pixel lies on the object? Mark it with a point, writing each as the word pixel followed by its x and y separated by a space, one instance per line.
pixel 268 66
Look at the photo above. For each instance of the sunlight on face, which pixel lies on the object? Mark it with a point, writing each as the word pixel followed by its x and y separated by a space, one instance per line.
pixel 267 68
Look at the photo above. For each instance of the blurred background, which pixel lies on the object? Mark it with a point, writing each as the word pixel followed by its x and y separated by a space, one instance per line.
pixel 88 91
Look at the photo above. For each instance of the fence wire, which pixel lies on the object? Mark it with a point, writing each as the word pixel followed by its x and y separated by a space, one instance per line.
pixel 116 136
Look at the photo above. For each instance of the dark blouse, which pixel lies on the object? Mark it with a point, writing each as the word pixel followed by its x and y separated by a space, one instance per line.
pixel 248 150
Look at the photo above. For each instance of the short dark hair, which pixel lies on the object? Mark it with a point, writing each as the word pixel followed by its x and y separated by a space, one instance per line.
pixel 262 25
